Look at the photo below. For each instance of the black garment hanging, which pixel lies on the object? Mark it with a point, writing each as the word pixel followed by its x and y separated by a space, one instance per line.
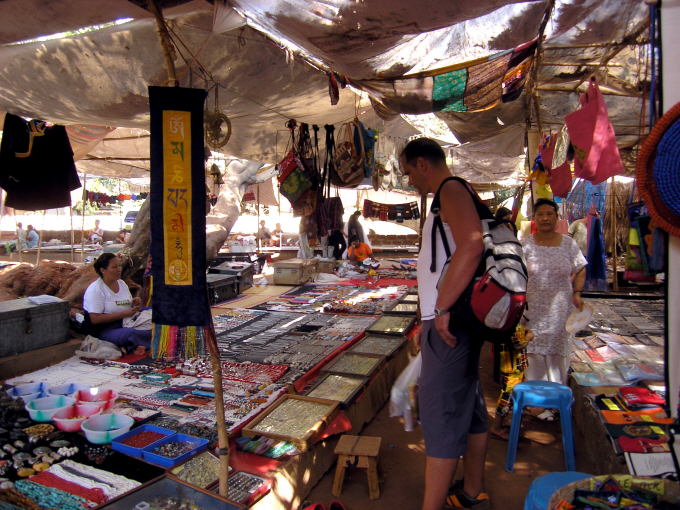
pixel 36 165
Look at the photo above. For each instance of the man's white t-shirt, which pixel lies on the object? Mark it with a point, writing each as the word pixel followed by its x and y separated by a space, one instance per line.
pixel 99 298
pixel 427 281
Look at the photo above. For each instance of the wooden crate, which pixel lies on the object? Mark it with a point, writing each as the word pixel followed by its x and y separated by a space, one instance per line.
pixel 276 413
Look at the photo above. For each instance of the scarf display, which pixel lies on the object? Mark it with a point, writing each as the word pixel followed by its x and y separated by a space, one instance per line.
pixel 468 87
pixel 181 313
pixel 391 212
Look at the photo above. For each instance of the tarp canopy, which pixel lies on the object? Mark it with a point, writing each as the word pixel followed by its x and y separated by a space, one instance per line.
pixel 270 60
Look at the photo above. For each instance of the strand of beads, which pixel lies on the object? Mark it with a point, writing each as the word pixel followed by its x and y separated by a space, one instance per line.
pixel 48 497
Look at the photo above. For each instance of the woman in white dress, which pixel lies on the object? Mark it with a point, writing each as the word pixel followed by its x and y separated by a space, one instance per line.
pixel 556 277
pixel 108 301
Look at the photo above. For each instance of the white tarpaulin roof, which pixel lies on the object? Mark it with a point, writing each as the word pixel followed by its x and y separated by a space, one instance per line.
pixel 100 77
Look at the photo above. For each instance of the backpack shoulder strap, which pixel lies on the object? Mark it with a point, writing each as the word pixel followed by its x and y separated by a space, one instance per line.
pixel 438 226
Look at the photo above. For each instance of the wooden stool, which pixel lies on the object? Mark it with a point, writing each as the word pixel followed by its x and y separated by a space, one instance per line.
pixel 360 451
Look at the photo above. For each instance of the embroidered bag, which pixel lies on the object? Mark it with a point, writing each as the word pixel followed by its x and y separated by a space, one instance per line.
pixel 293 180
pixel 349 158
pixel 493 303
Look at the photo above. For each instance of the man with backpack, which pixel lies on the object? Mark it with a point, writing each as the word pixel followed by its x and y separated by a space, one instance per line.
pixel 451 403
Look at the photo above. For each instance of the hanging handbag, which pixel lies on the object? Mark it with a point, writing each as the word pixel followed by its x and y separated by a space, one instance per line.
pixel 349 158
pixel 596 155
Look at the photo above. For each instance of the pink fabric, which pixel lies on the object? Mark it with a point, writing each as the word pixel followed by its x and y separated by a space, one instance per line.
pixel 561 180
pixel 592 135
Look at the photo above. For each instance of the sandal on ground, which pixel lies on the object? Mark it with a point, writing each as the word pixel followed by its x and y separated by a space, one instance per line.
pixel 546 415
pixel 501 435
pixel 461 500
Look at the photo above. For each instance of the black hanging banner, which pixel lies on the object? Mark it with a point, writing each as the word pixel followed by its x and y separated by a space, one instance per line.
pixel 181 313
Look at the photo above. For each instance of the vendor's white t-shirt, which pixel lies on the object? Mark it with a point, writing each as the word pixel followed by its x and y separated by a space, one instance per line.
pixel 99 298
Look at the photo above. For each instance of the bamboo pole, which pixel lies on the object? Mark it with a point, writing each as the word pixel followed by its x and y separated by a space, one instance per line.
pixel 166 42
pixel 70 211
pixel 82 224
pixel 222 434
pixel 615 281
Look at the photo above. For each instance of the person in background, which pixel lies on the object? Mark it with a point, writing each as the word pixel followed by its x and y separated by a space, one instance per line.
pixel 557 275
pixel 277 235
pixel 108 301
pixel 336 240
pixel 32 237
pixel 578 231
pixel 97 233
pixel 354 228
pixel 21 237
pixel 360 253
pixel 263 234
pixel 505 214
pixel 123 236
pixel 450 399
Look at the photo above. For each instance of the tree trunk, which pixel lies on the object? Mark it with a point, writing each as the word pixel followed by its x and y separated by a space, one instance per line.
pixel 219 222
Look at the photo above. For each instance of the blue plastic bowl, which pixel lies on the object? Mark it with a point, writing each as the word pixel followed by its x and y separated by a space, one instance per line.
pixel 42 409
pixel 68 389
pixel 103 428
pixel 29 391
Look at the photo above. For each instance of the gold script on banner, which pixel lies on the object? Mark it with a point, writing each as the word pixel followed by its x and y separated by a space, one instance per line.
pixel 177 197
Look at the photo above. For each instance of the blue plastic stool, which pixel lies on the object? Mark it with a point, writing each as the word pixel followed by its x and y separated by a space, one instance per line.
pixel 542 489
pixel 548 395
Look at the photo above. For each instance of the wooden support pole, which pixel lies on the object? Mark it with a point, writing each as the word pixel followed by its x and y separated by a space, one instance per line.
pixel 82 224
pixel 166 42
pixel 222 433
pixel 614 203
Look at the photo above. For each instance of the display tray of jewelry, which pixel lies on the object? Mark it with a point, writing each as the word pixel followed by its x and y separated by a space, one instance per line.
pixel 244 487
pixel 171 494
pixel 391 325
pixel 342 388
pixel 354 364
pixel 293 418
pixel 383 345
pixel 201 470
pixel 403 309
pixel 410 298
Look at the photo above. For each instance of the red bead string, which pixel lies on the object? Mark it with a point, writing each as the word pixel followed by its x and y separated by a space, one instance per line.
pixel 55 482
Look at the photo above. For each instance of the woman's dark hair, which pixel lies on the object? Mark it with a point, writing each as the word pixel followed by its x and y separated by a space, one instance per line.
pixel 102 262
pixel 501 213
pixel 545 201
pixel 424 148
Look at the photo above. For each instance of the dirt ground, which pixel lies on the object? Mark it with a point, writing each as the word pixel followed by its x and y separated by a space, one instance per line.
pixel 402 462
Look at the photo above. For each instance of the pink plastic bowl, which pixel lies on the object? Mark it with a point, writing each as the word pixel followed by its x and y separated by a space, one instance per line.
pixel 71 418
pixel 103 398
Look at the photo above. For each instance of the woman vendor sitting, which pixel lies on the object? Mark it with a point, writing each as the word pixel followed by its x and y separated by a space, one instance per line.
pixel 108 301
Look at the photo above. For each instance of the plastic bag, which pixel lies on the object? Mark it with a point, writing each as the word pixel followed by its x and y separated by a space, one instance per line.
pixel 141 320
pixel 400 401
pixel 92 347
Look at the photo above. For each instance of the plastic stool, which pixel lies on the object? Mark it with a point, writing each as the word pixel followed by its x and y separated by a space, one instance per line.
pixel 542 489
pixel 548 395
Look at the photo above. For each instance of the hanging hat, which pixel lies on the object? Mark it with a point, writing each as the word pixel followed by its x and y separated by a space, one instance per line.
pixel 658 171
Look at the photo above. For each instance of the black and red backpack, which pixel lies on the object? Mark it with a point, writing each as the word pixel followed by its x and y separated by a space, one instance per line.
pixel 493 304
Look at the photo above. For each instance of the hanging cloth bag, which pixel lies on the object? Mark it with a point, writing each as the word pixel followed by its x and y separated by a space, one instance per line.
pixel 349 157
pixel 596 155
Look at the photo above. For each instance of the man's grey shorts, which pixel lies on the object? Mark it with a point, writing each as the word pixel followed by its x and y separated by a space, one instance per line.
pixel 450 398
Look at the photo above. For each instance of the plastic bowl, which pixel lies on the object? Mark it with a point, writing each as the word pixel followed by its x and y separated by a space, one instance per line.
pixel 69 419
pixel 42 409
pixel 29 391
pixel 68 389
pixel 103 398
pixel 103 428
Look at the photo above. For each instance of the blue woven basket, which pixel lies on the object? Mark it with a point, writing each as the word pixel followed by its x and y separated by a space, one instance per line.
pixel 658 171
